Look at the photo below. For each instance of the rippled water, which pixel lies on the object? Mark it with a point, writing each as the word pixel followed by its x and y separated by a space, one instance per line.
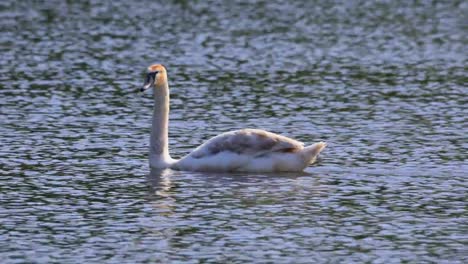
pixel 384 83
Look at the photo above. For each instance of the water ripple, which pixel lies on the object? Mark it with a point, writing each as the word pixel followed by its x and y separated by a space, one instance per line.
pixel 384 83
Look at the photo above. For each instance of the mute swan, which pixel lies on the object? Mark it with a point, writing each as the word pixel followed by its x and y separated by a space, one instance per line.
pixel 247 150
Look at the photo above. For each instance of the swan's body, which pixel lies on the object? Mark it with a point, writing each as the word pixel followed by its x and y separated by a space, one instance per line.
pixel 248 150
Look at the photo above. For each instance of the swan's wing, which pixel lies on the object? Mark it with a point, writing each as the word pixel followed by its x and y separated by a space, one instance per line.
pixel 252 142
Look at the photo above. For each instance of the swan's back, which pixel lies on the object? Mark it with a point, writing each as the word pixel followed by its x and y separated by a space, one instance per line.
pixel 252 150
pixel 250 142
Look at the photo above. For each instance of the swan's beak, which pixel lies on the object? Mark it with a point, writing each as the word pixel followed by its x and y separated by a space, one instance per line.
pixel 148 82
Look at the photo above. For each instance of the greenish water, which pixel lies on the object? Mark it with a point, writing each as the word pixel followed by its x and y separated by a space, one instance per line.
pixel 383 82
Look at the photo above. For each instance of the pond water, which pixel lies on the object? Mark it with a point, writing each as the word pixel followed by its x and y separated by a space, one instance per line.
pixel 383 82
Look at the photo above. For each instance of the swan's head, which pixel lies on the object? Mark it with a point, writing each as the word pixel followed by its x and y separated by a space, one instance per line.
pixel 156 77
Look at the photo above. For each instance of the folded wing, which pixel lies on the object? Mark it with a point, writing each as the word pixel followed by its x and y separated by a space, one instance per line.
pixel 252 142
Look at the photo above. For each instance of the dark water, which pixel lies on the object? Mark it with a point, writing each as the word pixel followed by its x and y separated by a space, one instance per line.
pixel 384 83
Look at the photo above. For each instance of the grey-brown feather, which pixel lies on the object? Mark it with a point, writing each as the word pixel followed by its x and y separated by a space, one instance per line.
pixel 253 142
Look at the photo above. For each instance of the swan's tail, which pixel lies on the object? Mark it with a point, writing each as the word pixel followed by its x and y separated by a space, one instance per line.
pixel 311 152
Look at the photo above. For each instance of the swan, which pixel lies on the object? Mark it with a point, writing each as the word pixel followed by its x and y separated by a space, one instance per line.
pixel 245 150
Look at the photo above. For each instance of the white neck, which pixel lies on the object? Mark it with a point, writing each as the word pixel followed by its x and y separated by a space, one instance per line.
pixel 159 149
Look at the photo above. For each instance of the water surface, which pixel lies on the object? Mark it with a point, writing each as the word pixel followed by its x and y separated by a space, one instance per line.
pixel 384 83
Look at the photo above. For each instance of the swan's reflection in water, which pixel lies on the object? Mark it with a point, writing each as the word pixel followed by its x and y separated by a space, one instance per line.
pixel 161 191
pixel 160 181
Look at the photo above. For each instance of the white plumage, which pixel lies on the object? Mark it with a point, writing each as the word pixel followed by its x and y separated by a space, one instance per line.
pixel 248 150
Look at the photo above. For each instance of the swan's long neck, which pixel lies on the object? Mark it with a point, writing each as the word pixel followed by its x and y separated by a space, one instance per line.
pixel 159 149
